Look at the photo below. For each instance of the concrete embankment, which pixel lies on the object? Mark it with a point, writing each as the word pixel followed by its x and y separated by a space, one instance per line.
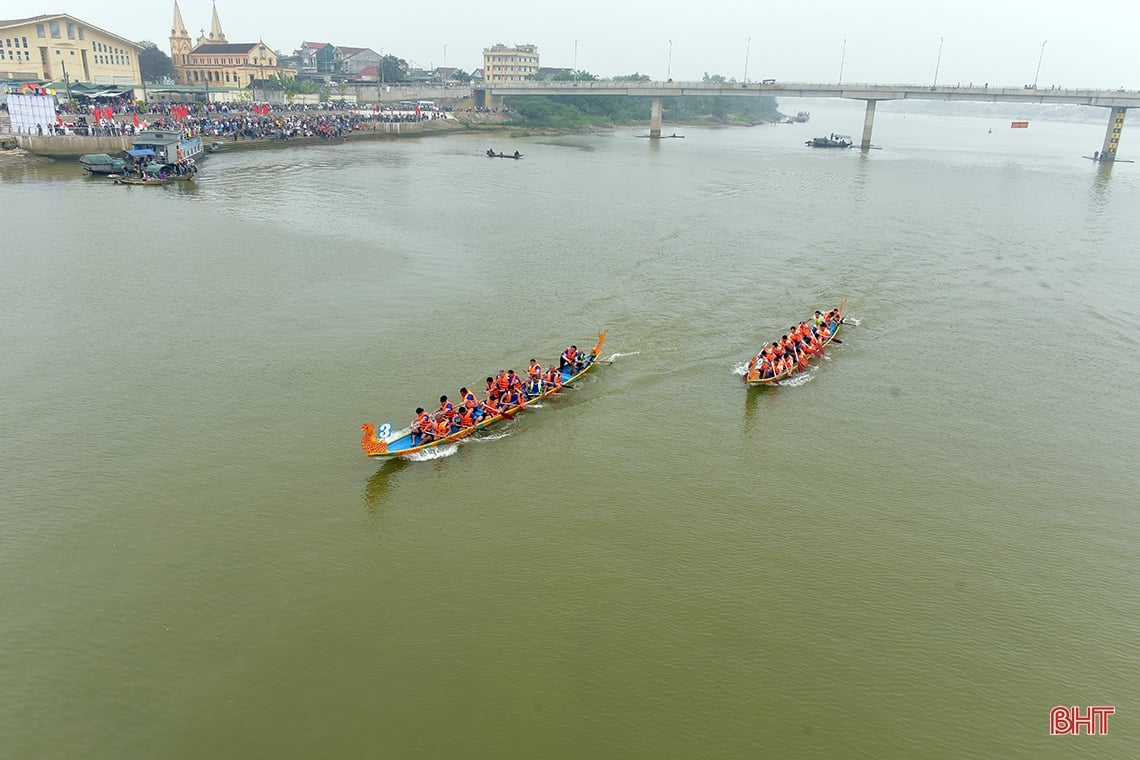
pixel 71 146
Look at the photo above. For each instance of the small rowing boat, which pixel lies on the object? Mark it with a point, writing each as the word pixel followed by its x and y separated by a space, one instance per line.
pixel 384 443
pixel 834 326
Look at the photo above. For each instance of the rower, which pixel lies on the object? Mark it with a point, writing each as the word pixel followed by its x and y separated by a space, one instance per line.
pixel 419 424
pixel 553 378
pixel 569 359
pixel 446 409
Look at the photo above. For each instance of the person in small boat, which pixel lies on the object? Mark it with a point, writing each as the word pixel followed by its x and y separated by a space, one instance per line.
pixel 421 421
pixel 514 397
pixel 491 405
pixel 491 152
pixel 553 377
pixel 490 386
pixel 441 428
pixel 514 382
pixel 534 377
pixel 569 359
pixel 533 387
pixel 517 154
pixel 464 418
pixel 502 382
pixel 446 409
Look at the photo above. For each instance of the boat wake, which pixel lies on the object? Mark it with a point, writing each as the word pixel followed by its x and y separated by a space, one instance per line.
pixel 436 452
pixel 617 355
pixel 851 321
pixel 740 369
pixel 487 437
pixel 799 378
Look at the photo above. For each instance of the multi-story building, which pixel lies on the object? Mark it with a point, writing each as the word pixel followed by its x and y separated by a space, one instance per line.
pixel 355 60
pixel 509 64
pixel 214 61
pixel 316 57
pixel 57 47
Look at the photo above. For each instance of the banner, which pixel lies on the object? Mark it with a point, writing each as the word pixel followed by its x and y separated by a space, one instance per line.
pixel 1019 125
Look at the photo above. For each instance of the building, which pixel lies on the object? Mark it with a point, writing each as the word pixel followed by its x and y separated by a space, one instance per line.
pixel 354 60
pixel 59 47
pixel 213 61
pixel 316 57
pixel 509 64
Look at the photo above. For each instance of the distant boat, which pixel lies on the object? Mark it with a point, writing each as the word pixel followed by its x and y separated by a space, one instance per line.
pixel 834 141
pixel 102 163
pixel 493 154
pixel 802 117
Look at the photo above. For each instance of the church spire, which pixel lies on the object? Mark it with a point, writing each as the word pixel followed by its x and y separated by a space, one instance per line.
pixel 216 33
pixel 179 28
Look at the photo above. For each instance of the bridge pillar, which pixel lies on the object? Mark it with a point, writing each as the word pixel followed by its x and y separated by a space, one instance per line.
pixel 655 118
pixel 868 124
pixel 1112 134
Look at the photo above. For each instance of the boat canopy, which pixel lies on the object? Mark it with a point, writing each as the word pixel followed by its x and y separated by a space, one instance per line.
pixel 140 152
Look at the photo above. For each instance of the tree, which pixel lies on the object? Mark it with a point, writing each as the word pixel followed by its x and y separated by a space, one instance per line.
pixel 155 66
pixel 393 69
pixel 460 75
pixel 714 79
pixel 570 75
pixel 634 77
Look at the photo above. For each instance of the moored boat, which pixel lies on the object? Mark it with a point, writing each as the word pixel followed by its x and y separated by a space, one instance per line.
pixel 102 163
pixel 752 376
pixel 384 443
pixel 140 180
pixel 167 146
pixel 834 141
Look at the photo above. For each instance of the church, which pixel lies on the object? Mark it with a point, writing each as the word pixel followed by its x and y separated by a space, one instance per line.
pixel 213 61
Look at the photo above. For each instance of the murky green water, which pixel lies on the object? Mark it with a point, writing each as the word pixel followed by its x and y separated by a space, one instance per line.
pixel 915 551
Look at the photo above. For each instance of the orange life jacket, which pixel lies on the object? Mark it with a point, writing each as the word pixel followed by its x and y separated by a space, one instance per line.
pixel 465 418
pixel 535 371
pixel 442 428
pixel 503 382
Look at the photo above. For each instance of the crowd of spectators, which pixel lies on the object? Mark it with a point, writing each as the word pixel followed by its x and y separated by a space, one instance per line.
pixel 235 121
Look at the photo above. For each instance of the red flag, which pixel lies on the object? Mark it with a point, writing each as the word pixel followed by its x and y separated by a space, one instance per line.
pixel 417 109
pixel 59 120
pixel 135 117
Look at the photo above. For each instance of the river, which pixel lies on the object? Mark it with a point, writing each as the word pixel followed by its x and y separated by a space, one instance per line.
pixel 916 549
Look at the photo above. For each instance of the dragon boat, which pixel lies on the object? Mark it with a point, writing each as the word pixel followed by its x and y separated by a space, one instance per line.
pixel 383 443
pixel 775 379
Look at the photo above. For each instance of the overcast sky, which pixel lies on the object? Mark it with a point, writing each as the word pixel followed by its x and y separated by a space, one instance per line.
pixel 999 41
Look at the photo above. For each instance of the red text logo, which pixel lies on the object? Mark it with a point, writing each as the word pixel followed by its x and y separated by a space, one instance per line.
pixel 1068 720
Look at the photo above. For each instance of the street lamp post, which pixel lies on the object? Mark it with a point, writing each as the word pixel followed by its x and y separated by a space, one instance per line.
pixel 1039 58
pixel 747 50
pixel 575 60
pixel 842 58
pixel 669 66
pixel 937 63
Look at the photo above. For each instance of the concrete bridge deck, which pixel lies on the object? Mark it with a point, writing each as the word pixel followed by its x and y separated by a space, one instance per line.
pixel 853 91
pixel 1118 101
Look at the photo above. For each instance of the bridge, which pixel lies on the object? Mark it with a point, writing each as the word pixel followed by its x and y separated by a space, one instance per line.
pixel 1117 101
